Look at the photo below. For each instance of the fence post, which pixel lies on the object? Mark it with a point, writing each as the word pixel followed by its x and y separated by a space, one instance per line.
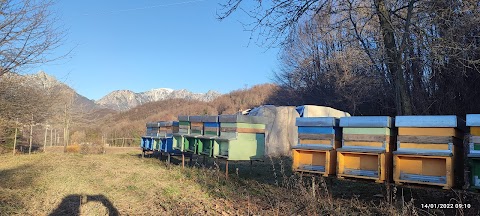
pixel 15 138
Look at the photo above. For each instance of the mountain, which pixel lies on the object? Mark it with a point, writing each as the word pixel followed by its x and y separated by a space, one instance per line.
pixel 58 90
pixel 123 100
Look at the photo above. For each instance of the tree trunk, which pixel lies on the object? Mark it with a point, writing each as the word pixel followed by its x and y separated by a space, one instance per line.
pixel 394 63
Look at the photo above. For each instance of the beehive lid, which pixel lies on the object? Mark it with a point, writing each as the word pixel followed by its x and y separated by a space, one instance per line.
pixel 209 119
pixel 153 124
pixel 440 121
pixel 317 121
pixel 242 119
pixel 168 123
pixel 366 121
pixel 196 118
pixel 183 118
pixel 473 119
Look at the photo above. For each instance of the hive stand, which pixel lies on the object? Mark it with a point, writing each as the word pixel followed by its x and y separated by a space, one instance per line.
pixel 179 138
pixel 318 139
pixel 473 121
pixel 211 130
pixel 166 131
pixel 366 150
pixel 242 138
pixel 429 151
pixel 196 130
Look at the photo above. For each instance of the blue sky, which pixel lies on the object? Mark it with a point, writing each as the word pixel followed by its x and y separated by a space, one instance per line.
pixel 145 44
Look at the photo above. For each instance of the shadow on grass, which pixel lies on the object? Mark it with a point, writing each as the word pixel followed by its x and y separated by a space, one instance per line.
pixel 71 204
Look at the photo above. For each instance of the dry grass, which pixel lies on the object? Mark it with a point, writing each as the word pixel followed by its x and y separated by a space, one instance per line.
pixel 126 184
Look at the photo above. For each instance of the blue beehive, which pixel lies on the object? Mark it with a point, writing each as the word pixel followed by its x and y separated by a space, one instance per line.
pixel 166 131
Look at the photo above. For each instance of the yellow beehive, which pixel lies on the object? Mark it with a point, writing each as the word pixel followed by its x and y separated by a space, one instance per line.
pixel 318 137
pixel 367 147
pixel 429 149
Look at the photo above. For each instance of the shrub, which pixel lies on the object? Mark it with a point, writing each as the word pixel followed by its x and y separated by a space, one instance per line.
pixel 75 148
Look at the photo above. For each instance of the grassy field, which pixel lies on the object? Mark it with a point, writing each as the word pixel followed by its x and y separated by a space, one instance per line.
pixel 126 184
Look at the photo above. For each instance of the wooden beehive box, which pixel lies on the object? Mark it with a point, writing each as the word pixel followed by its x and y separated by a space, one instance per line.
pixel 473 122
pixel 241 138
pixel 429 150
pixel 366 150
pixel 150 140
pixel 183 129
pixel 211 130
pixel 318 139
pixel 196 130
pixel 167 129
pixel 153 129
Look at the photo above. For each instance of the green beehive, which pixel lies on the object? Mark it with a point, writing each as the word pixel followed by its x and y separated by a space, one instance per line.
pixel 179 139
pixel 473 121
pixel 196 130
pixel 211 130
pixel 241 138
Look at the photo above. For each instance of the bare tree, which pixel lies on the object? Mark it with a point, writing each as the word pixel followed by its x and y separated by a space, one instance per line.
pixel 418 47
pixel 27 34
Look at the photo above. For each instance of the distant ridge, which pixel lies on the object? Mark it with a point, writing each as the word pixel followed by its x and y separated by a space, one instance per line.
pixel 123 100
pixel 120 100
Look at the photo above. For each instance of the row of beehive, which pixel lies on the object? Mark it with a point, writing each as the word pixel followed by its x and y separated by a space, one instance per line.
pixel 159 136
pixel 232 137
pixel 428 149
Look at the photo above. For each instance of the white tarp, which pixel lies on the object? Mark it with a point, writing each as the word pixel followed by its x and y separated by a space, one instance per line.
pixel 320 111
pixel 281 134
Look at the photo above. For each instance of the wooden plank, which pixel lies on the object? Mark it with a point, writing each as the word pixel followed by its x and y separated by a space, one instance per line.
pixel 360 144
pixel 184 123
pixel 474 139
pixel 242 130
pixel 317 121
pixel 425 139
pixel 211 128
pixel 371 131
pixel 242 125
pixel 307 141
pixel 366 121
pixel 427 121
pixel 183 118
pixel 184 127
pixel 197 127
pixel 366 137
pixel 211 124
pixel 316 136
pixel 242 119
pixel 430 132
pixel 432 146
pixel 167 128
pixel 473 119
pixel 316 130
pixel 196 124
pixel 475 131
